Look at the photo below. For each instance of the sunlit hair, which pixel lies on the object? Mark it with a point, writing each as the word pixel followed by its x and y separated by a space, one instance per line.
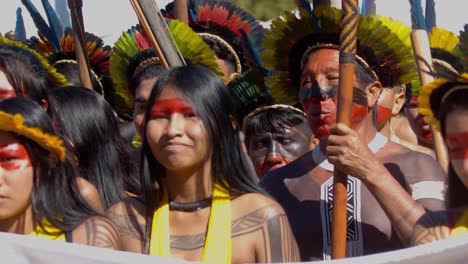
pixel 206 92
pixel 87 121
pixel 54 195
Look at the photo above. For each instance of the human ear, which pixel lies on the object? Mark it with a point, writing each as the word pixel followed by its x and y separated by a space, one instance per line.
pixel 399 101
pixel 373 92
pixel 45 105
pixel 232 76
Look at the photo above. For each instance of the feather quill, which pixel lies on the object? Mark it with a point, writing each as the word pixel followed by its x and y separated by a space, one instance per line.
pixel 430 15
pixel 41 25
pixel 19 28
pixel 417 15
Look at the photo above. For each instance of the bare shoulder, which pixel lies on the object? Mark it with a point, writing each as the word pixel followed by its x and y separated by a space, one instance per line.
pixel 89 192
pixel 252 202
pixel 129 218
pixel 96 231
pixel 415 166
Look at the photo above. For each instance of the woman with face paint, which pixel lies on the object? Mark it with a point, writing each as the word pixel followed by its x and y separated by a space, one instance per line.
pixel 445 103
pixel 201 199
pixel 38 196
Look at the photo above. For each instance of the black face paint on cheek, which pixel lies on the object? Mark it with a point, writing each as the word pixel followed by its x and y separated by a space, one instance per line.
pixel 318 92
pixel 359 96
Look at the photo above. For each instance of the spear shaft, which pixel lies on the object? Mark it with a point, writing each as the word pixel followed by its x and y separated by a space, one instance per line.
pixel 348 36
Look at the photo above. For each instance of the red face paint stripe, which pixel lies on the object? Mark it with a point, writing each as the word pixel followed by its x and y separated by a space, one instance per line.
pixel 12 155
pixel 167 107
pixel 458 145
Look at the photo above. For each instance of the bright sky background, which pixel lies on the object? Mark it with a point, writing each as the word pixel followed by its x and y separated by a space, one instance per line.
pixel 108 18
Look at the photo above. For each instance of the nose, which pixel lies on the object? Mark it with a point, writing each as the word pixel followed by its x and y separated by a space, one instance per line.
pixel 176 125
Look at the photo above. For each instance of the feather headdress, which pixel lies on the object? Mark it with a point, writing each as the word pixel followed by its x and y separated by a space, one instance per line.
pixel 233 25
pixel 380 51
pixel 54 78
pixel 57 45
pixel 433 94
pixel 134 41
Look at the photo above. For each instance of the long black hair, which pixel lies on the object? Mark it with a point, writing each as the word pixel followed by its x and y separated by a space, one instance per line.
pixel 83 117
pixel 211 100
pixel 54 195
pixel 457 193
pixel 24 72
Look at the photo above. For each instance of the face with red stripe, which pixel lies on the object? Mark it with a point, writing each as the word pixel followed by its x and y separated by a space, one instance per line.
pixel 319 89
pixel 176 134
pixel 456 128
pixel 6 89
pixel 16 177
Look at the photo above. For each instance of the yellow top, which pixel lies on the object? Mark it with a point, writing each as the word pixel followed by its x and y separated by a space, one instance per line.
pixel 39 232
pixel 218 239
pixel 461 227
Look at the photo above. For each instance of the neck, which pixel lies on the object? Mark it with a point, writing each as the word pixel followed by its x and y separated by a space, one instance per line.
pixel 386 130
pixel 22 224
pixel 189 185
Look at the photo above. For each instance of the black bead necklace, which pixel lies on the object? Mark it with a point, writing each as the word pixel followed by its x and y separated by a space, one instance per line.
pixel 190 207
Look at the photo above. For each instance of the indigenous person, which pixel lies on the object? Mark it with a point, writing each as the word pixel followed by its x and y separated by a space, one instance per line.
pixel 207 205
pixel 382 213
pixel 38 196
pixel 135 67
pixel 276 135
pixel 445 103
pixel 25 73
pixel 88 123
pixel 444 58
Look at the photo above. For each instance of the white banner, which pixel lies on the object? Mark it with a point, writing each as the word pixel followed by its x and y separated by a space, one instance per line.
pixel 24 250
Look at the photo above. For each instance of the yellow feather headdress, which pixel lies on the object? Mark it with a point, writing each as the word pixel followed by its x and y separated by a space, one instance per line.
pixel 290 36
pixel 434 93
pixel 55 79
pixel 15 123
pixel 134 41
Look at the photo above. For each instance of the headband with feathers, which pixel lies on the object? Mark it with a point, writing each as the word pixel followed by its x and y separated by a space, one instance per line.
pixel 134 41
pixel 57 43
pixel 230 23
pixel 290 36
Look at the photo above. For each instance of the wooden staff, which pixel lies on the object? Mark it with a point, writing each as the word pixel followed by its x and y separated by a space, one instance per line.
pixel 422 53
pixel 348 36
pixel 80 42
pixel 181 11
pixel 155 27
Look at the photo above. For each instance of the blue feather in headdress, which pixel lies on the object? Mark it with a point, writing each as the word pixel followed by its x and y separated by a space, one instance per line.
pixel 430 15
pixel 61 7
pixel 40 23
pixel 54 22
pixel 417 15
pixel 192 9
pixel 20 29
pixel 306 5
pixel 368 7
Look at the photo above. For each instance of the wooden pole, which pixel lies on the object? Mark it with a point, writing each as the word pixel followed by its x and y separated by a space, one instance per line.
pixel 181 11
pixel 80 42
pixel 422 53
pixel 155 27
pixel 348 35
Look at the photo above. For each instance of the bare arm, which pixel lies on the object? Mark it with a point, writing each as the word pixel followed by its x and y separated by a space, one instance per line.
pixel 98 232
pixel 347 151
